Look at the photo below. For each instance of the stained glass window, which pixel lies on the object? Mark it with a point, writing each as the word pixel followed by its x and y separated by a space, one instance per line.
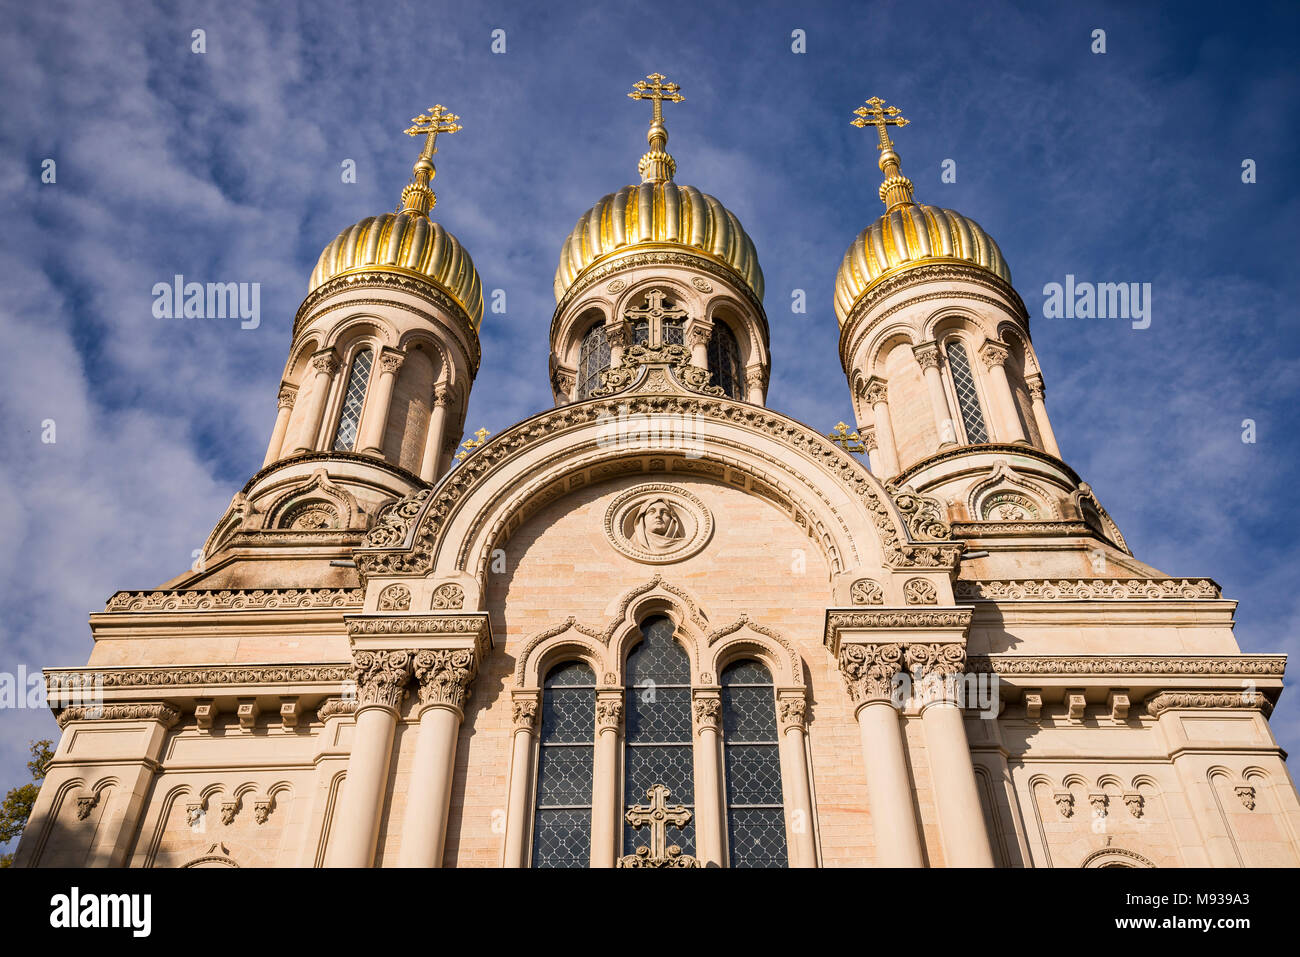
pixel 657 748
pixel 968 400
pixel 674 332
pixel 752 763
pixel 641 332
pixel 562 825
pixel 345 436
pixel 724 359
pixel 593 359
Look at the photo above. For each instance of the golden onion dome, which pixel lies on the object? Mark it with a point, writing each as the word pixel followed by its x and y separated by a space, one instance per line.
pixel 405 242
pixel 658 212
pixel 408 242
pixel 908 234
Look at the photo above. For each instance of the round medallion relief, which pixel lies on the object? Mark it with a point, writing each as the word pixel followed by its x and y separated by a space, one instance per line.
pixel 657 524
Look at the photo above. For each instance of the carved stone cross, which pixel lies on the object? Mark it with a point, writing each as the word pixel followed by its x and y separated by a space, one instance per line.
pixel 658 815
pixel 654 308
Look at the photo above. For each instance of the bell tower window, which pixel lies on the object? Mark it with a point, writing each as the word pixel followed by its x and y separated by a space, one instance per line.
pixel 968 400
pixel 724 359
pixel 345 436
pixel 593 359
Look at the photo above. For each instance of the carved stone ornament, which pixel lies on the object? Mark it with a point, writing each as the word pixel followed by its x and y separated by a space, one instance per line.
pixel 1134 802
pixel 702 284
pixel 708 712
pixel 791 711
pixel 311 517
pixel 920 591
pixel 936 658
pixel 86 804
pixel 449 596
pixel 656 524
pixel 228 811
pixel 1009 507
pixel 674 358
pixel 869 670
pixel 1087 589
pixel 445 676
pixel 617 286
pixel 381 677
pixel 261 811
pixel 658 815
pixel 1100 802
pixel 395 598
pixel 1164 701
pixel 866 591
pixel 993 353
pixel 286 397
pixel 924 517
pixel 1064 803
pixel 1247 795
pixel 609 712
pixel 523 712
pixel 165 714
pixel 194 815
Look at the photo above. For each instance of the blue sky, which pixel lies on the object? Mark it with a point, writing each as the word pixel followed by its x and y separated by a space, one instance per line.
pixel 225 166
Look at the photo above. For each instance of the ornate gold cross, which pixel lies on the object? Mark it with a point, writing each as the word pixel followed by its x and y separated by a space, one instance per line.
pixel 848 441
pixel 881 117
pixel 430 124
pixel 658 91
pixel 469 445
pixel 658 815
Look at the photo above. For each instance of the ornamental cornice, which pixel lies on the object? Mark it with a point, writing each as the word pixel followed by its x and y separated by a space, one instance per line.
pixel 1012 529
pixel 406 533
pixel 851 336
pixel 423 288
pixel 182 676
pixel 992 449
pixel 1164 701
pixel 475 626
pixel 893 620
pixel 1129 665
pixel 235 599
pixel 1115 589
pixel 167 715
pixel 326 457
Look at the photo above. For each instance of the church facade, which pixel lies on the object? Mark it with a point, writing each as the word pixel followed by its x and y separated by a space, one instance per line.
pixel 662 624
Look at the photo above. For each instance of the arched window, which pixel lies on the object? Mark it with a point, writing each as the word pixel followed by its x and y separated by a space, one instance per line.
pixel 345 436
pixel 593 359
pixel 562 823
pixel 658 748
pixel 724 359
pixel 752 762
pixel 968 400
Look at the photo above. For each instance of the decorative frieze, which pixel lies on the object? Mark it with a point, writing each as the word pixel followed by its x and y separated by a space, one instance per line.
pixel 1042 589
pixel 236 599
pixel 419 625
pixel 1129 665
pixel 159 711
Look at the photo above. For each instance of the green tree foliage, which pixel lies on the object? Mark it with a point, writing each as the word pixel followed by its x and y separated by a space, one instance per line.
pixel 18 803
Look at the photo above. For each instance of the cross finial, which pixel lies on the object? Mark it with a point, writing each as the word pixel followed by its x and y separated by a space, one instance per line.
pixel 470 445
pixel 897 188
pixel 848 441
pixel 657 166
pixel 418 197
pixel 658 815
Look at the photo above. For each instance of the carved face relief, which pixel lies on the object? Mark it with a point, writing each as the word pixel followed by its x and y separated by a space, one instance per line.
pixel 658 523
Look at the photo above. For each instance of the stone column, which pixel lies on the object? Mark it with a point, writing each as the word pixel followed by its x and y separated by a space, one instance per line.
pixel 697 340
pixel 606 807
pixel 381 678
pixel 937 669
pixel 877 396
pixel 709 800
pixel 791 710
pixel 617 335
pixel 868 434
pixel 756 385
pixel 525 707
pixel 995 356
pixel 434 438
pixel 927 357
pixel 326 364
pixel 1037 392
pixel 374 422
pixel 281 425
pixel 444 677
pixel 869 671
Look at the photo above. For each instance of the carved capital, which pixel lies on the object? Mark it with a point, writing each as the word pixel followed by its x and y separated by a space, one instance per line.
pixel 875 391
pixel 445 676
pixel 390 361
pixel 381 677
pixel 443 395
pixel 791 710
pixel 936 658
pixel 286 397
pixel 326 362
pixel 868 436
pixel 993 353
pixel 708 710
pixel 699 335
pixel 616 334
pixel 609 711
pixel 524 708
pixel 869 670
pixel 1036 388
pixel 927 355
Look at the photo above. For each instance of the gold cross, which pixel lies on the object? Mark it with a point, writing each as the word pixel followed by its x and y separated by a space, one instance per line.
pixel 430 124
pixel 881 117
pixel 658 91
pixel 658 815
pixel 848 441
pixel 470 445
